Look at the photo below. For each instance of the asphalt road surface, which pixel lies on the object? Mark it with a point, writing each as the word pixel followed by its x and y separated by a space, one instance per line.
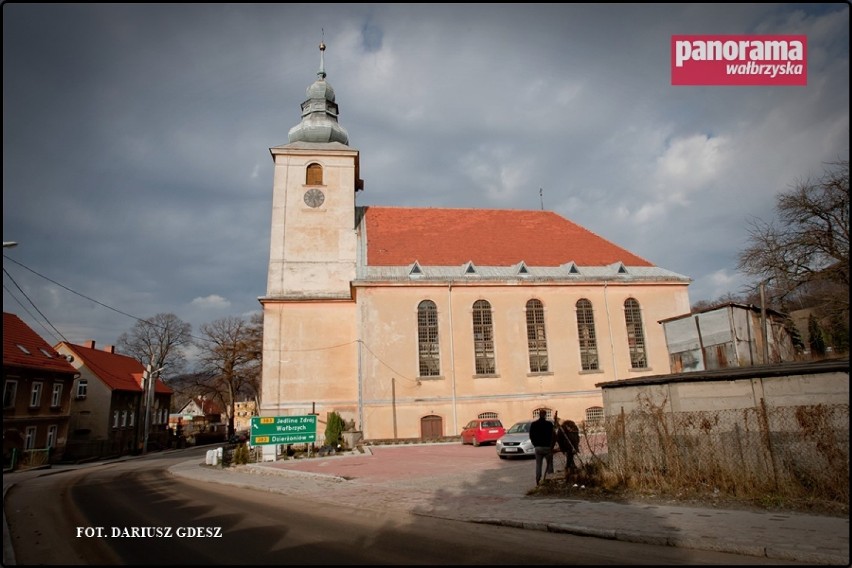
pixel 134 512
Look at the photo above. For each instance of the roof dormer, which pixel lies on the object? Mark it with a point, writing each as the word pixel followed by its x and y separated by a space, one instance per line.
pixel 414 270
pixel 571 268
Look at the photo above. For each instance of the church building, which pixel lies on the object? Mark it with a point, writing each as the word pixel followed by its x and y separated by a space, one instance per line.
pixel 413 321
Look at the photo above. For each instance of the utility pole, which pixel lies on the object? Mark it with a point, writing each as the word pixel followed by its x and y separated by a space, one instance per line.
pixel 149 378
pixel 763 318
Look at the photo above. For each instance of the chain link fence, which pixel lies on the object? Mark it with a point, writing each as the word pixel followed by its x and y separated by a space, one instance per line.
pixel 798 452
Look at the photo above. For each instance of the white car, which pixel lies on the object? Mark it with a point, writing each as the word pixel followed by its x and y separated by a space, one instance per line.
pixel 516 443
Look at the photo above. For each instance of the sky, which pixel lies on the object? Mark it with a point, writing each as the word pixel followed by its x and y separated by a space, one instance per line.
pixel 137 177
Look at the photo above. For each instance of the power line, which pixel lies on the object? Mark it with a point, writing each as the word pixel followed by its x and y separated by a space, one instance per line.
pixel 6 272
pixel 23 307
pixel 72 291
pixel 142 320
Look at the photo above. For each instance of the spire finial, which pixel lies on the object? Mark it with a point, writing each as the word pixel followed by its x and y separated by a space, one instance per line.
pixel 321 72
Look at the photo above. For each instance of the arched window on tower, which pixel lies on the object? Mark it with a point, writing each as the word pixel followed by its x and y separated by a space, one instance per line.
pixel 483 338
pixel 427 339
pixel 313 175
pixel 586 333
pixel 635 335
pixel 536 337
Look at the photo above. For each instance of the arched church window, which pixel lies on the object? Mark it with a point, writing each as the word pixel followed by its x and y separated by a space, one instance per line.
pixel 313 175
pixel 427 339
pixel 586 333
pixel 635 335
pixel 536 337
pixel 483 338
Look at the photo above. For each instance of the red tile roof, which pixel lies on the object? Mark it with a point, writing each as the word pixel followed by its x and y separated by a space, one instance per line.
pixel 207 406
pixel 397 236
pixel 16 332
pixel 118 372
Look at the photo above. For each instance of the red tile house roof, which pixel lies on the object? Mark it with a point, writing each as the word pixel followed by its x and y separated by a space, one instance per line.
pixel 398 236
pixel 118 372
pixel 36 352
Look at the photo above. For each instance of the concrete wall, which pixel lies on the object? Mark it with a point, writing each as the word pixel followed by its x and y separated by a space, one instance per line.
pixel 785 385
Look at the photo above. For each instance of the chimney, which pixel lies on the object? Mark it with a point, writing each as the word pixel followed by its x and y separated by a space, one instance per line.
pixel 109 348
pixel 90 343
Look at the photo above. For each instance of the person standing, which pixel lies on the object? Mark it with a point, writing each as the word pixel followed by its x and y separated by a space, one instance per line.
pixel 541 436
pixel 568 439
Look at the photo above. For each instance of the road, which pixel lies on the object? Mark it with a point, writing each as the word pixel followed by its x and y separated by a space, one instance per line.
pixel 134 512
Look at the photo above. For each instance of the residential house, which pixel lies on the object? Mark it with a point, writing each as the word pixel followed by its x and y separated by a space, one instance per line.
pixel 37 383
pixel 243 411
pixel 199 415
pixel 411 321
pixel 108 410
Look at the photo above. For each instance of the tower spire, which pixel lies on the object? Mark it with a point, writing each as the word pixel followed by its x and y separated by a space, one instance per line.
pixel 321 72
pixel 319 111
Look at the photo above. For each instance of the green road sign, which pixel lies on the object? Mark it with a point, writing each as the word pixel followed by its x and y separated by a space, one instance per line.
pixel 283 429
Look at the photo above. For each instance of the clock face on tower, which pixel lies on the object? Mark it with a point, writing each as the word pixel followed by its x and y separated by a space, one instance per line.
pixel 314 197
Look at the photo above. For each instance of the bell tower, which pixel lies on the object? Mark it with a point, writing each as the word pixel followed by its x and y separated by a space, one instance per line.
pixel 313 241
pixel 309 312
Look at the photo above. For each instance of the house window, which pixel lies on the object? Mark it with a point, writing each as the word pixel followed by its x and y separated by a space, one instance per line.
pixel 313 175
pixel 115 418
pixel 547 410
pixel 56 395
pixel 82 388
pixel 132 418
pixel 51 436
pixel 483 338
pixel 586 333
pixel 635 336
pixel 10 391
pixel 594 415
pixel 29 438
pixel 123 418
pixel 35 394
pixel 487 415
pixel 536 337
pixel 427 339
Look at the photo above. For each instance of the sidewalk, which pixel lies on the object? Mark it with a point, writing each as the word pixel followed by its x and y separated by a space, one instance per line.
pixel 368 481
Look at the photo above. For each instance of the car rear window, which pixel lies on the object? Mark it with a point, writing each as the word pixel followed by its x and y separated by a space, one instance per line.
pixel 491 424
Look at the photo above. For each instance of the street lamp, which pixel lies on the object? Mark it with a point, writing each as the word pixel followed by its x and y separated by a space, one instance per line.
pixel 9 244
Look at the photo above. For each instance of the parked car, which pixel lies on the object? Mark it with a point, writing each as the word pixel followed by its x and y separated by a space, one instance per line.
pixel 239 437
pixel 516 442
pixel 482 431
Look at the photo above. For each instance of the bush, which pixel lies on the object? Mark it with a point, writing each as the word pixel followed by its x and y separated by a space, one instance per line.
pixel 241 454
pixel 334 428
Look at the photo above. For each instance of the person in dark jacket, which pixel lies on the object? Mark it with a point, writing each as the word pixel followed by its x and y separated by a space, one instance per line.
pixel 568 439
pixel 541 436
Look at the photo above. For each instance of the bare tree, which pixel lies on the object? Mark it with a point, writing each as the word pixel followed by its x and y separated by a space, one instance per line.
pixel 726 298
pixel 255 346
pixel 229 360
pixel 160 341
pixel 804 254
